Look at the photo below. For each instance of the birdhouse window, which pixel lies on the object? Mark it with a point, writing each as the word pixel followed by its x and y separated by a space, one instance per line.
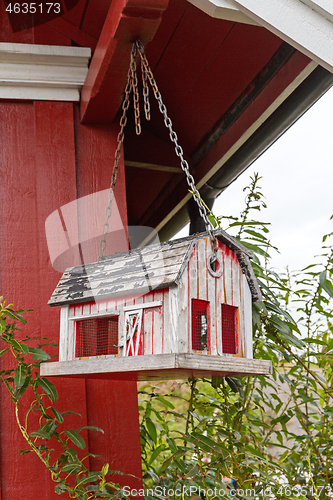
pixel 229 329
pixel 96 337
pixel 200 325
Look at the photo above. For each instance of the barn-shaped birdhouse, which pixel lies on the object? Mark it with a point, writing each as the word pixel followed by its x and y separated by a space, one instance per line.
pixel 158 312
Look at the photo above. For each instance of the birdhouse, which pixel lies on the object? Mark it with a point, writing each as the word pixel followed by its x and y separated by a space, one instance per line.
pixel 159 312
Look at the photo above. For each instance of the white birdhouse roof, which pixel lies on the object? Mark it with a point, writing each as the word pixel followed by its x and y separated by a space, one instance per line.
pixel 141 270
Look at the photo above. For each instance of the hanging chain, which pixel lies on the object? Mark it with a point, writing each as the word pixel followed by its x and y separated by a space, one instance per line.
pixel 145 91
pixel 179 151
pixel 136 101
pixel 117 155
pixel 132 85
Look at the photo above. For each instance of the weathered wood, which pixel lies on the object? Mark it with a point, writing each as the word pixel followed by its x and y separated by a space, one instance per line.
pixel 220 298
pixel 102 314
pixel 212 285
pixel 183 333
pixel 152 267
pixel 236 299
pixel 148 332
pixel 178 366
pixel 153 166
pixel 241 312
pixel 143 305
pixel 248 352
pixel 158 324
pixel 202 270
pixel 63 339
pixel 166 344
pixel 163 326
pixel 172 330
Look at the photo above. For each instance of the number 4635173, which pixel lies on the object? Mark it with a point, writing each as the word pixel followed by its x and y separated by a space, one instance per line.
pixel 34 8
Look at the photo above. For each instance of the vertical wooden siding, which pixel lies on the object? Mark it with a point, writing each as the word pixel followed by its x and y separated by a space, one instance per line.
pixel 231 288
pixel 167 328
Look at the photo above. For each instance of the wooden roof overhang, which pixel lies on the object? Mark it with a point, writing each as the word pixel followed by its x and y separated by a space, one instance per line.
pixel 142 270
pixel 231 89
pixel 223 83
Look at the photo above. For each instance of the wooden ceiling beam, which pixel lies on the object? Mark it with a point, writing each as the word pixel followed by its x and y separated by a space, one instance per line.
pixel 74 33
pixel 153 166
pixel 126 21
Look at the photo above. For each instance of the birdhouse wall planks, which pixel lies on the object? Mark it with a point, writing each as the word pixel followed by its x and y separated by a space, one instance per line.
pixel 158 313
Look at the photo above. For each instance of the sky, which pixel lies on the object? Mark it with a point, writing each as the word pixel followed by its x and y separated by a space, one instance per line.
pixel 297 181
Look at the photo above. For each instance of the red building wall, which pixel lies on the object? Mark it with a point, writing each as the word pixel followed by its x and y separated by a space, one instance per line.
pixel 47 159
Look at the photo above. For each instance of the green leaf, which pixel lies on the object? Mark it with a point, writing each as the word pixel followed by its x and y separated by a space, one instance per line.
pixel 39 354
pixel 90 478
pixel 156 453
pixel 72 455
pixel 212 220
pixel 41 433
pixel 72 468
pixel 151 428
pixel 48 388
pixel 70 412
pixel 60 489
pixel 19 392
pixel 328 287
pixel 255 249
pixel 217 382
pixel 255 233
pixel 15 344
pixel 58 416
pixel 249 223
pixel 315 341
pixel 90 428
pixel 19 377
pixel 14 315
pixel 172 445
pixel 3 351
pixel 24 348
pixel 105 469
pixel 208 442
pixel 23 452
pixel 235 384
pixel 322 278
pixel 76 438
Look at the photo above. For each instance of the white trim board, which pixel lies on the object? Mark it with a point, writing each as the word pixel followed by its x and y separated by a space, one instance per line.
pixel 307 25
pixel 221 9
pixel 42 72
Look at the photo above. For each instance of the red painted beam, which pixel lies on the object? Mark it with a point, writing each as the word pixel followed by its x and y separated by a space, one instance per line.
pixel 127 21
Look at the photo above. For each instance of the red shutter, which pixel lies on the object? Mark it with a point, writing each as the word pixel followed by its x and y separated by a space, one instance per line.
pixel 229 329
pixel 96 337
pixel 200 325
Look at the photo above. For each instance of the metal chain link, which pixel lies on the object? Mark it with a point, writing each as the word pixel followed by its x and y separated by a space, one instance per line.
pixel 132 85
pixel 117 155
pixel 178 149
pixel 136 100
pixel 145 91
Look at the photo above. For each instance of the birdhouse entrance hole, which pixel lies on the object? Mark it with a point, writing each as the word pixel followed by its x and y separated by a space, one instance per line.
pixel 96 337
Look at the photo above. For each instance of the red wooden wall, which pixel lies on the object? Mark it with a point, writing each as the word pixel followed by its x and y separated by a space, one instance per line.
pixel 47 159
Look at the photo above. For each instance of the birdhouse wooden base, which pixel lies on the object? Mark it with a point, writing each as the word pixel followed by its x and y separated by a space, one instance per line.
pixel 159 312
pixel 158 367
